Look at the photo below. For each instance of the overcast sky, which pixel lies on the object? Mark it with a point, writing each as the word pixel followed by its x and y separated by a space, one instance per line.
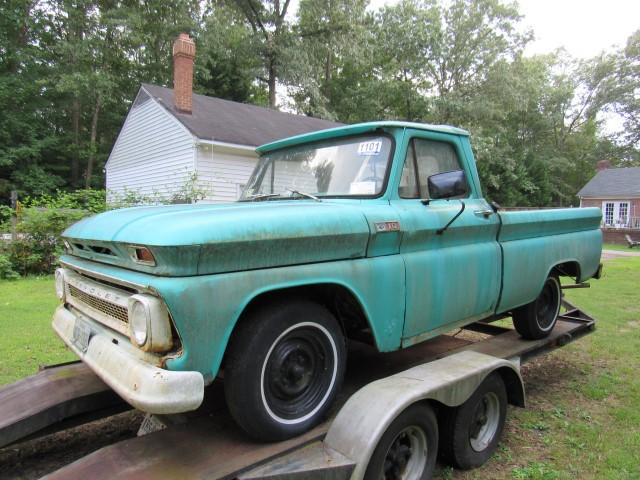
pixel 583 27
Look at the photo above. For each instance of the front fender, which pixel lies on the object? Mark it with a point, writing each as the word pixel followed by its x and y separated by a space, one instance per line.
pixel 207 308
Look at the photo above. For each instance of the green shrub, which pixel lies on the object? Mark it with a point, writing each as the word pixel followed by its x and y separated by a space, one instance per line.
pixel 39 245
pixel 5 215
pixel 42 219
pixel 6 268
pixel 94 201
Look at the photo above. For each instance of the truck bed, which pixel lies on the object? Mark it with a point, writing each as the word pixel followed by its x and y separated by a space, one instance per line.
pixel 533 241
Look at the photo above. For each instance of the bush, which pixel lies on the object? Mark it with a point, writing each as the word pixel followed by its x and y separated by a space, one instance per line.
pixel 5 215
pixel 41 221
pixel 39 245
pixel 94 201
pixel 6 268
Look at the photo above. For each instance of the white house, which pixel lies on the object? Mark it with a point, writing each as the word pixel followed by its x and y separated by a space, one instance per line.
pixel 171 137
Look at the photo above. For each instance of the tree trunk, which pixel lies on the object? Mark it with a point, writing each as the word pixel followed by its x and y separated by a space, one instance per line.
pixel 93 148
pixel 75 125
pixel 272 85
pixel 327 73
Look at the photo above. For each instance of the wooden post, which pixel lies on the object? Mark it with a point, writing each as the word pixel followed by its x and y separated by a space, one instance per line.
pixel 14 216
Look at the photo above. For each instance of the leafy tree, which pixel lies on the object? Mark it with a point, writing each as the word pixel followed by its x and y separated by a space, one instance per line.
pixel 226 63
pixel 69 70
pixel 625 99
pixel 332 39
pixel 25 133
pixel 271 37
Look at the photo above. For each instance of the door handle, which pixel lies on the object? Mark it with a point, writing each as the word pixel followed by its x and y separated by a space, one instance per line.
pixel 483 213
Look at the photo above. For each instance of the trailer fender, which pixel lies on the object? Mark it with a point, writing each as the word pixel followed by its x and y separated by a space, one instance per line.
pixel 365 417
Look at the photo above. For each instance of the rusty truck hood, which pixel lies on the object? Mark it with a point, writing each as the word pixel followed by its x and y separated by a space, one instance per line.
pixel 203 239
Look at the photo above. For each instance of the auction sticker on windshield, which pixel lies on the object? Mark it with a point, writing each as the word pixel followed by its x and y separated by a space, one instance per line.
pixel 373 147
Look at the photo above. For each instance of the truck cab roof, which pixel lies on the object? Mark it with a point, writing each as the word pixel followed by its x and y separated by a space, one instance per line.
pixel 354 130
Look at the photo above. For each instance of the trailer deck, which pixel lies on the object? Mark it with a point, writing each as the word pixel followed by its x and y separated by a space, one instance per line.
pixel 207 443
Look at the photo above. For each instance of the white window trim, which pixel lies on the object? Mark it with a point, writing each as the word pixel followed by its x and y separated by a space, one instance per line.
pixel 617 221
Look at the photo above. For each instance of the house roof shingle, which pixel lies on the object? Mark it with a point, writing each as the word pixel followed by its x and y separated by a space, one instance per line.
pixel 613 182
pixel 232 122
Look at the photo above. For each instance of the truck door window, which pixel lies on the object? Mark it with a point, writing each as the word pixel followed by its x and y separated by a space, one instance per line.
pixel 425 158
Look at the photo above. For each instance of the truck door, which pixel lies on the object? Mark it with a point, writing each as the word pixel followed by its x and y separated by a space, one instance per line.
pixel 452 276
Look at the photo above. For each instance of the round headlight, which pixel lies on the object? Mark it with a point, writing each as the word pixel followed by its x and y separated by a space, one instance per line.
pixel 138 322
pixel 60 291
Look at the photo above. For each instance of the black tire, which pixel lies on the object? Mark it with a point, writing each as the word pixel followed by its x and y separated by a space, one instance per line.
pixel 400 453
pixel 470 433
pixel 284 366
pixel 537 319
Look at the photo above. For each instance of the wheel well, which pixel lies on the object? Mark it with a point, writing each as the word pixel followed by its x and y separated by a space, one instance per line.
pixel 567 269
pixel 338 299
pixel 513 384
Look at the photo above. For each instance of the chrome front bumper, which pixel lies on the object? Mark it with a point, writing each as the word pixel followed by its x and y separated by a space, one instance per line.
pixel 143 385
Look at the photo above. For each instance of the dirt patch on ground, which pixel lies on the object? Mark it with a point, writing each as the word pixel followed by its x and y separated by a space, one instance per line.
pixel 35 458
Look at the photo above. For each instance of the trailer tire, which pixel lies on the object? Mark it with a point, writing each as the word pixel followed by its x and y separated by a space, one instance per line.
pixel 408 448
pixel 470 433
pixel 537 319
pixel 284 367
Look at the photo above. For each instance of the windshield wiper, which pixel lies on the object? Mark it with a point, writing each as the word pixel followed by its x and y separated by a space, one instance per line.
pixel 261 196
pixel 303 194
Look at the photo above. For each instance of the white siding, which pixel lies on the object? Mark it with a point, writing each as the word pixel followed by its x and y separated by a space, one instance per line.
pixel 153 155
pixel 221 173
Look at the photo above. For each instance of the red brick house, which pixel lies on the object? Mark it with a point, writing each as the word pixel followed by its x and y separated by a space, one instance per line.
pixel 617 192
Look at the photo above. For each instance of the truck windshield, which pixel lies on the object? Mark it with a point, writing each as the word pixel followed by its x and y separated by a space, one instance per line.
pixel 354 166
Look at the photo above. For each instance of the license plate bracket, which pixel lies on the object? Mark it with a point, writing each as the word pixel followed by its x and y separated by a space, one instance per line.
pixel 82 334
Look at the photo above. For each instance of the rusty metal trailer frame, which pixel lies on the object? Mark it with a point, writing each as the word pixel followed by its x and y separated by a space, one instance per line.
pixel 207 443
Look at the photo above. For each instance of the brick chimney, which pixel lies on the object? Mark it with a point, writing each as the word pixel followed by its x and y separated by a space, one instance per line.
pixel 184 52
pixel 603 165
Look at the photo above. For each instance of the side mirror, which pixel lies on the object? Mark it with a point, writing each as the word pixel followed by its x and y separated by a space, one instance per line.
pixel 447 185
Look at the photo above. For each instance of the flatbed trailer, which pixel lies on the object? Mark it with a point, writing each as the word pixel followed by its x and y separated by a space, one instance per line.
pixel 443 372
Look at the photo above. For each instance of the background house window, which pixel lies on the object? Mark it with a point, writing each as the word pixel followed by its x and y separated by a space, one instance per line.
pixel 608 213
pixel 616 214
pixel 623 213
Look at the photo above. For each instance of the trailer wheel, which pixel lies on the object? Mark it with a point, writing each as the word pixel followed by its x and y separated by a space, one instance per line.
pixel 471 432
pixel 285 365
pixel 408 449
pixel 536 319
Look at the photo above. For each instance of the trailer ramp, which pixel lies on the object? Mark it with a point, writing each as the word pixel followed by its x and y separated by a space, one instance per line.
pixel 53 399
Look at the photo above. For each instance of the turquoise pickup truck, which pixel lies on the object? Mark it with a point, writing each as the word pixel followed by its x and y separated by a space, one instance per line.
pixel 376 232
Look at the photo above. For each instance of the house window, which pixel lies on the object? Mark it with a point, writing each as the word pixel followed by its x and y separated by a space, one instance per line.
pixel 616 214
pixel 623 213
pixel 608 213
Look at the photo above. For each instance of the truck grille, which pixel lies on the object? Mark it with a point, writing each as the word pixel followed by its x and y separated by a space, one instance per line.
pixel 112 310
pixel 101 302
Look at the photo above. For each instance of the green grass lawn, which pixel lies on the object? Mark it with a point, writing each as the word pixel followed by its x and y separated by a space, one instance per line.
pixel 615 246
pixel 582 420
pixel 28 341
pixel 583 415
